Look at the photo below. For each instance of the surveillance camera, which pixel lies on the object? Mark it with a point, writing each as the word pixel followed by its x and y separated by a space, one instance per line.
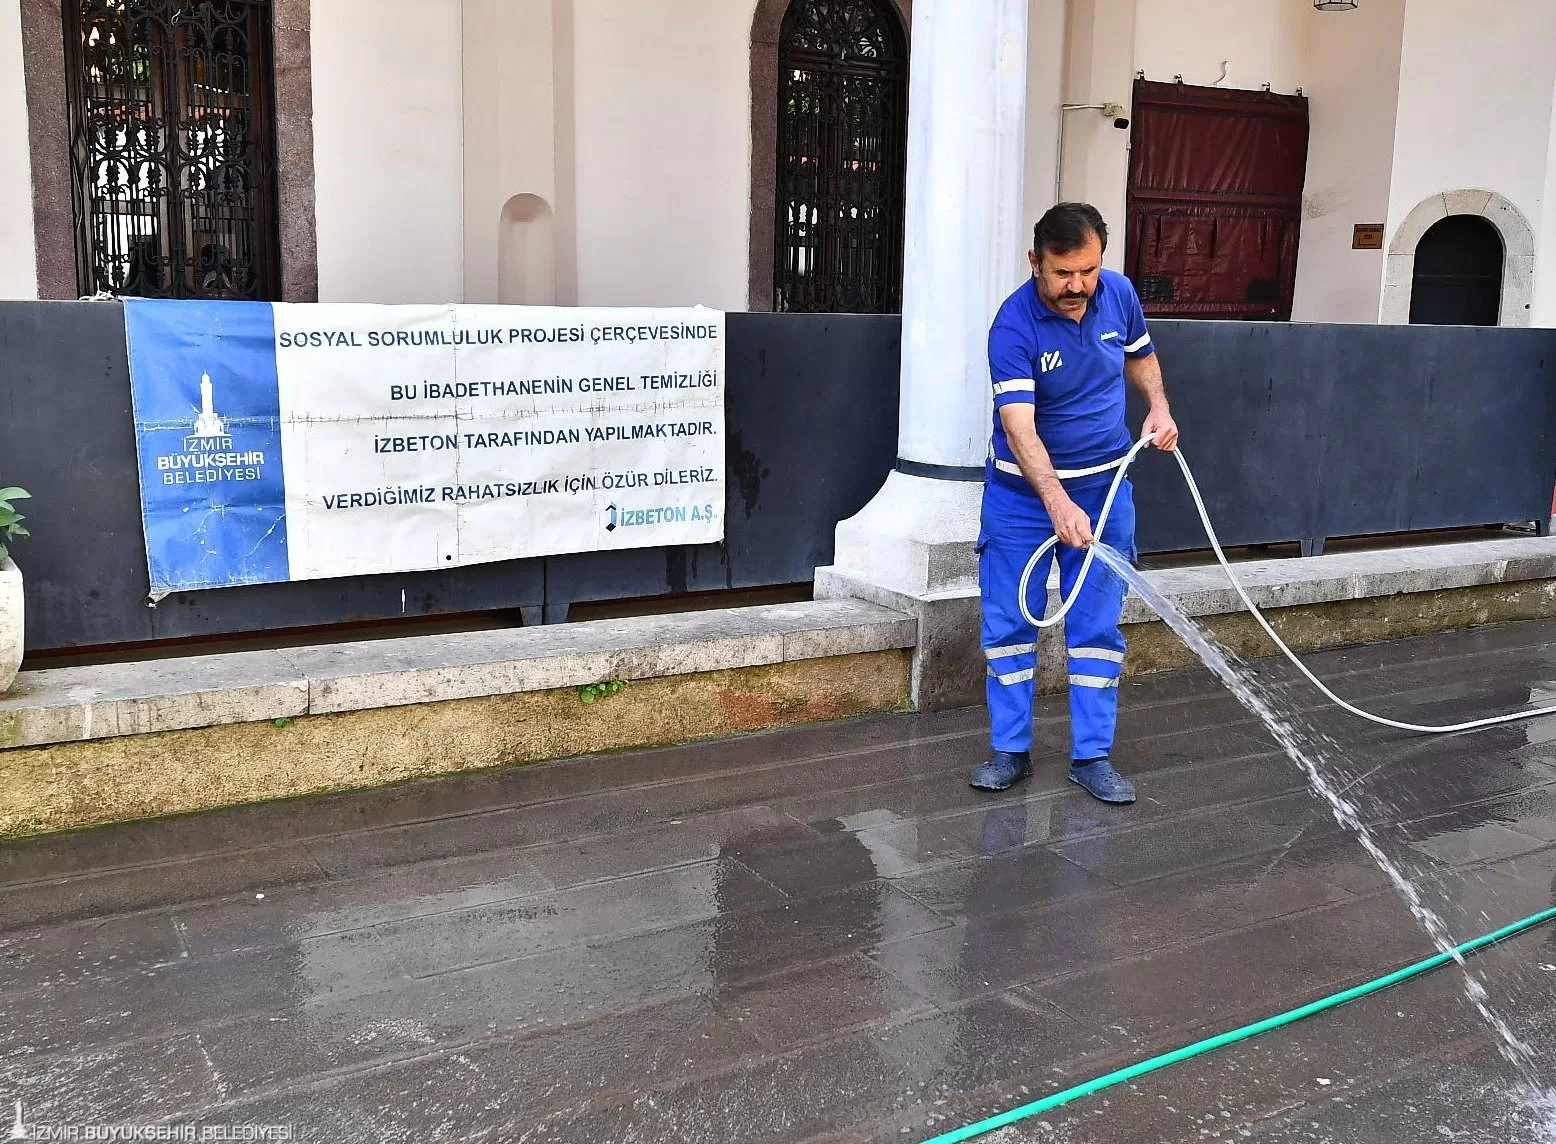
pixel 1115 112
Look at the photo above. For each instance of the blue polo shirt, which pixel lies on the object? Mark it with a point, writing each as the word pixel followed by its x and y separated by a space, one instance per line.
pixel 1073 372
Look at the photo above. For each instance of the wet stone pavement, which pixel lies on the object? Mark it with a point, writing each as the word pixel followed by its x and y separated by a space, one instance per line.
pixel 819 935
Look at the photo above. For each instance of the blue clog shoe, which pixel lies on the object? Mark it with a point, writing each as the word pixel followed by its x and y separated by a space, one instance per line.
pixel 1102 782
pixel 1003 771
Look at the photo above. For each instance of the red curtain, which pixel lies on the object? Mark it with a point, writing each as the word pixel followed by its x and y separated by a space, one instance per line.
pixel 1215 200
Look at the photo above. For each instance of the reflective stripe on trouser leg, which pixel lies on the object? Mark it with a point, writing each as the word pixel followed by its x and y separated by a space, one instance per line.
pixel 1091 634
pixel 1009 643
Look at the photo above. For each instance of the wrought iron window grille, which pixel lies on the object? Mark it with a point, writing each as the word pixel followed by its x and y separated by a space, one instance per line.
pixel 172 147
pixel 841 170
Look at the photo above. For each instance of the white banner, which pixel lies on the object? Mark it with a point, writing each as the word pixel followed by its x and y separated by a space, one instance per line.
pixel 307 441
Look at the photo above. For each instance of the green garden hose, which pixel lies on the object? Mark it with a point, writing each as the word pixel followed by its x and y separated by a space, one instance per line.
pixel 1210 1044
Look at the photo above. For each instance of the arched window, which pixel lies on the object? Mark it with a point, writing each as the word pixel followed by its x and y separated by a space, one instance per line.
pixel 842 143
pixel 172 147
pixel 1458 274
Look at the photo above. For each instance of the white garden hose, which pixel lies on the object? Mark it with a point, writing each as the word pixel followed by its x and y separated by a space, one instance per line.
pixel 1215 543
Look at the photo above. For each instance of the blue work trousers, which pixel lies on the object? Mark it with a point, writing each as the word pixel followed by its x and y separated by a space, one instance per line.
pixel 1014 525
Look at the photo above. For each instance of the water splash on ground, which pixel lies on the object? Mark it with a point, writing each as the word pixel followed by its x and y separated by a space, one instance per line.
pixel 1309 752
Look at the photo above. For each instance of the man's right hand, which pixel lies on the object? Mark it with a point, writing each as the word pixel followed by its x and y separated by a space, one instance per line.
pixel 1071 523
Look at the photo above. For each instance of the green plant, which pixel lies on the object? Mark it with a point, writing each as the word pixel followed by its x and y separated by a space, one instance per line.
pixel 11 520
pixel 589 692
pixel 285 721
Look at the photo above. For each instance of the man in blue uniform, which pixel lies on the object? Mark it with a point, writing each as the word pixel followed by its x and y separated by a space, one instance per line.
pixel 1060 352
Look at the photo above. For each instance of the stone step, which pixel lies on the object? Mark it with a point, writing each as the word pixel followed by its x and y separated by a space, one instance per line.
pixel 1316 602
pixel 1203 590
pixel 82 703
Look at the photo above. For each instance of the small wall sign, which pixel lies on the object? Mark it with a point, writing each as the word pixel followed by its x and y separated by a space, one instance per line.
pixel 1367 236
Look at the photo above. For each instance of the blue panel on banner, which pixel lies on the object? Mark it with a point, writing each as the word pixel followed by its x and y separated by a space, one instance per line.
pixel 208 429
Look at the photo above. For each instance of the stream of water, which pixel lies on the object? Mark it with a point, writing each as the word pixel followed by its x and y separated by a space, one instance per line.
pixel 1308 751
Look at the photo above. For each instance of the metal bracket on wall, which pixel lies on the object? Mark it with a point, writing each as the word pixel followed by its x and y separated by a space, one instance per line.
pixel 549 613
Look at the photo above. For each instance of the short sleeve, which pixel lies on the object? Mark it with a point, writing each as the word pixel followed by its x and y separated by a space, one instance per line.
pixel 1137 339
pixel 1010 366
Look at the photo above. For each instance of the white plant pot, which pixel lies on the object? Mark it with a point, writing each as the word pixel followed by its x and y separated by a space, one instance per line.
pixel 12 621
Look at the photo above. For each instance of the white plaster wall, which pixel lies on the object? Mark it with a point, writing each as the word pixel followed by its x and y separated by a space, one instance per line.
pixel 1045 92
pixel 662 115
pixel 1100 45
pixel 1260 41
pixel 662 147
pixel 18 263
pixel 1352 84
pixel 631 122
pixel 509 133
pixel 388 150
pixel 1545 230
pixel 1474 105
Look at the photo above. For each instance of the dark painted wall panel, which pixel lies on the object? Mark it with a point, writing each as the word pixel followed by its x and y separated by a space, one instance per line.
pixel 1294 431
pixel 1312 431
pixel 67 435
pixel 812 432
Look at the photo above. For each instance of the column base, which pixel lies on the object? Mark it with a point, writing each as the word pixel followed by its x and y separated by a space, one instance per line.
pixel 913 549
pixel 917 535
pixel 948 664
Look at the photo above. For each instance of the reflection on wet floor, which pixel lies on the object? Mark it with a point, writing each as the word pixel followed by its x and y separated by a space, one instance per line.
pixel 820 934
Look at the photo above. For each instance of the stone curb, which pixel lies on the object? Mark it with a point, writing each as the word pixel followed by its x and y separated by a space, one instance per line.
pixel 81 703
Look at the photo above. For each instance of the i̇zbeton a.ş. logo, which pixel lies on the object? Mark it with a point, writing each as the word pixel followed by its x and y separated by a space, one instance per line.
pixel 209 453
pixel 659 514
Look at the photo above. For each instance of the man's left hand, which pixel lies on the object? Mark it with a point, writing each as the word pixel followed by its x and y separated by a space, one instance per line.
pixel 1161 423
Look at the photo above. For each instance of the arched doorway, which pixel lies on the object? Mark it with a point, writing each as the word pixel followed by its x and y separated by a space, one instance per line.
pixel 1515 307
pixel 1457 280
pixel 841 158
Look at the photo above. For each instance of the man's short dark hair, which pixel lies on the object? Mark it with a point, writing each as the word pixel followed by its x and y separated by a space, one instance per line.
pixel 1065 228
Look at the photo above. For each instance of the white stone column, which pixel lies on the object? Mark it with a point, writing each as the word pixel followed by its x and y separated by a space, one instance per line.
pixel 966 154
pixel 964 253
